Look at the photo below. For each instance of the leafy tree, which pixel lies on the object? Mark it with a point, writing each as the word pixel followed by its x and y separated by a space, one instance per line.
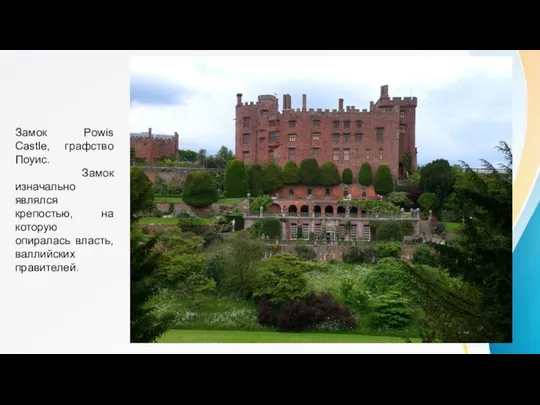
pixel 383 182
pixel 262 201
pixel 242 256
pixel 272 178
pixel 282 279
pixel 400 199
pixel 290 173
pixel 365 175
pixel 347 176
pixel 309 172
pixel 199 190
pixel 236 179
pixel 329 175
pixel 146 325
pixel 428 201
pixel 481 255
pixel 437 177
pixel 186 155
pixel 255 179
pixel 142 193
pixel 201 157
pixel 225 154
pixel 271 227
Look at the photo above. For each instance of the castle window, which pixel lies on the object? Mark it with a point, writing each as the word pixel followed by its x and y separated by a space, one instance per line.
pixel 327 192
pixel 335 124
pixel 292 137
pixel 291 192
pixel 305 231
pixel 292 124
pixel 292 153
pixel 270 155
pixel 316 136
pixel 380 154
pixel 346 137
pixel 274 137
pixel 380 134
pixel 335 138
pixel 272 123
pixel 346 154
pixel 315 153
pixel 316 123
pixel 359 124
pixel 354 232
pixel 245 139
pixel 358 138
pixel 309 191
pixel 346 124
pixel 367 233
pixel 402 114
pixel 246 156
pixel 245 122
pixel 368 154
pixel 402 129
pixel 294 231
pixel 335 154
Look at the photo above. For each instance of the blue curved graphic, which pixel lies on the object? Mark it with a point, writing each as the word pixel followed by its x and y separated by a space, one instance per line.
pixel 526 287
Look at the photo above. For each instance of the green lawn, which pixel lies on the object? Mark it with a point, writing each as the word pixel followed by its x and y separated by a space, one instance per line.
pixel 218 336
pixel 177 199
pixel 452 226
pixel 173 221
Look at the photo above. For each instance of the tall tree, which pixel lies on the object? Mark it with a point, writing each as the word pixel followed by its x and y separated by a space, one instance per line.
pixel 329 174
pixel 236 179
pixel 290 173
pixel 309 172
pixel 142 193
pixel 272 177
pixel 365 175
pixel 481 255
pixel 438 177
pixel 255 179
pixel 383 183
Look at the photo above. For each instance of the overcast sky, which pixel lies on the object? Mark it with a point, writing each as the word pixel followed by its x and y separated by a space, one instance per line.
pixel 464 103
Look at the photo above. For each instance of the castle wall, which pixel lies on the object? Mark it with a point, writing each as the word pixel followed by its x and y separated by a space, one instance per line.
pixel 151 148
pixel 346 136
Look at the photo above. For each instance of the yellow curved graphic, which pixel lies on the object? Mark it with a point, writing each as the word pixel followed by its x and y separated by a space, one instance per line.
pixel 530 61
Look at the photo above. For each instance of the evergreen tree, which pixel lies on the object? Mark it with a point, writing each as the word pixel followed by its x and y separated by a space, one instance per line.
pixel 329 175
pixel 255 179
pixel 236 179
pixel 365 176
pixel 290 173
pixel 383 182
pixel 272 177
pixel 309 172
pixel 347 176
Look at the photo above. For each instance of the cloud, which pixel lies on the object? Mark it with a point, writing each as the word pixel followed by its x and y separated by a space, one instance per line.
pixel 156 91
pixel 464 103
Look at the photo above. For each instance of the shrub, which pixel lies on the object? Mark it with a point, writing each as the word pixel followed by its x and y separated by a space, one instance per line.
pixel 309 172
pixel 400 199
pixel 222 224
pixel 414 194
pixel 389 231
pixel 290 173
pixel 271 227
pixel 449 216
pixel 236 179
pixel 439 228
pixel 388 249
pixel 256 203
pixel 383 182
pixel 272 177
pixel 142 194
pixel 387 275
pixel 199 190
pixel 187 222
pixel 428 201
pixel 282 279
pixel 255 179
pixel 317 311
pixel 305 252
pixel 329 174
pixel 214 268
pixel 391 312
pixel 354 297
pixel 365 175
pixel 423 255
pixel 347 176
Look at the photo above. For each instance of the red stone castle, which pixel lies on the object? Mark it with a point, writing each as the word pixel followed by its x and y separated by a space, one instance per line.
pixel 152 147
pixel 384 134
